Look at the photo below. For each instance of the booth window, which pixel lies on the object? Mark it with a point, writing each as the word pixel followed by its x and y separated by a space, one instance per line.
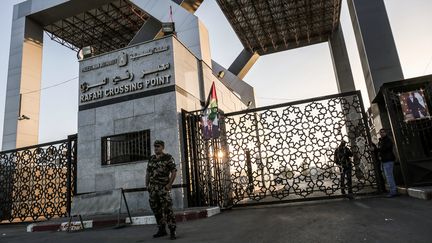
pixel 125 148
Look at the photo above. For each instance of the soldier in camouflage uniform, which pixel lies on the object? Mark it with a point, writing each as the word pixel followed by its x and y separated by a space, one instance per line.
pixel 161 172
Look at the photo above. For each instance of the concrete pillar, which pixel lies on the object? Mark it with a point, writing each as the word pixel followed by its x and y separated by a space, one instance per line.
pixel 190 5
pixel 341 64
pixel 147 32
pixel 152 27
pixel 243 63
pixel 345 83
pixel 375 43
pixel 190 31
pixel 24 76
pixel 243 89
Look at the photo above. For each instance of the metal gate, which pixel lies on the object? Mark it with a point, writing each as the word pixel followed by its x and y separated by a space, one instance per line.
pixel 413 138
pixel 37 182
pixel 279 153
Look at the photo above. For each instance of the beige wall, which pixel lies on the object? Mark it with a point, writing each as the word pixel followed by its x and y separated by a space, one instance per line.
pixel 192 89
pixel 31 74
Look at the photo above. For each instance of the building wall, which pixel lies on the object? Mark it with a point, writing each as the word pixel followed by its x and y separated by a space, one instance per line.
pixel 154 112
pixel 149 108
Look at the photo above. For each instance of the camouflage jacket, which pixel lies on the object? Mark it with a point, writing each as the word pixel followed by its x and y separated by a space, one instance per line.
pixel 158 169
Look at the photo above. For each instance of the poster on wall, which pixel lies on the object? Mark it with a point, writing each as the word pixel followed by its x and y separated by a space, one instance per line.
pixel 414 106
pixel 210 116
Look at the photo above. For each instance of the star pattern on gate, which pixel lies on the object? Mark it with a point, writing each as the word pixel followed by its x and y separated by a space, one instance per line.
pixel 34 182
pixel 291 150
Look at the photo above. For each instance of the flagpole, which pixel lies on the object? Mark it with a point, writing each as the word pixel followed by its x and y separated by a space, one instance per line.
pixel 171 14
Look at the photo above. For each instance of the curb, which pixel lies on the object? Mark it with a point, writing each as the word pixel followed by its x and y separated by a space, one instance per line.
pixel 424 193
pixel 420 193
pixel 140 220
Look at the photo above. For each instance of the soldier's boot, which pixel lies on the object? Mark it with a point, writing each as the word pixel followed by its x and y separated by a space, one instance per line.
pixel 161 231
pixel 172 232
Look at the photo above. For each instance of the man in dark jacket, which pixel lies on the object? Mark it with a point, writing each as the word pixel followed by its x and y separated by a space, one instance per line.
pixel 342 158
pixel 387 157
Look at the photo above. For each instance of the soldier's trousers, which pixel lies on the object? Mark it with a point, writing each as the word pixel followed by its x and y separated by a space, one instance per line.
pixel 161 205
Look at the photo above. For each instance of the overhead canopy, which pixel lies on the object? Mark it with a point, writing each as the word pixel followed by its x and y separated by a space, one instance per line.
pixel 268 26
pixel 106 27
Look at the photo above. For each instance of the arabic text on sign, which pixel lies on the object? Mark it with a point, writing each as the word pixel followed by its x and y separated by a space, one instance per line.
pixel 151 51
pixel 160 68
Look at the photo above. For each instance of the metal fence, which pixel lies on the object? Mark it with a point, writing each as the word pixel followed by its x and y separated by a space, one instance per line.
pixel 37 182
pixel 205 167
pixel 280 153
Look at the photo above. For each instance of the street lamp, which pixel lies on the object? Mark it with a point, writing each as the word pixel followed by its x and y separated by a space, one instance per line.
pixel 85 52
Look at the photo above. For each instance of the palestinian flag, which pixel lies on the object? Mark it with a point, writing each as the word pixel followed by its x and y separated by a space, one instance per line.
pixel 210 117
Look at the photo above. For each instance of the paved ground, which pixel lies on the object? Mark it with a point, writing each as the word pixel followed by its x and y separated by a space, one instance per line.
pixel 399 219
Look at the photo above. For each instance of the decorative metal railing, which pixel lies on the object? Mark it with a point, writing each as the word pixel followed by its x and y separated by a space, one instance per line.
pixel 37 182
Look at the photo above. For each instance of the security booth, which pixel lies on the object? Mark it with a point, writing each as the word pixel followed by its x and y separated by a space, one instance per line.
pixel 405 111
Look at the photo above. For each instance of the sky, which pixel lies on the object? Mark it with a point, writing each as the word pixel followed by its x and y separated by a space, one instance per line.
pixel 277 78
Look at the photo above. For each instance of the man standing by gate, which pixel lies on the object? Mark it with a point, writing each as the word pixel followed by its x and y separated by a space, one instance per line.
pixel 342 158
pixel 161 172
pixel 387 157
